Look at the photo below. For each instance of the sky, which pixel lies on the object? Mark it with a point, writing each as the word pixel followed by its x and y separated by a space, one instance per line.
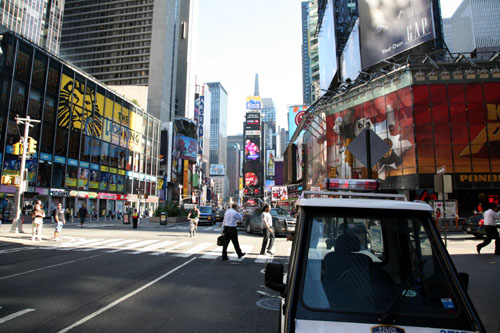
pixel 238 38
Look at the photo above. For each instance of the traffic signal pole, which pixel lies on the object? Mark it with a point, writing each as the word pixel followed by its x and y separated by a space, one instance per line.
pixel 17 225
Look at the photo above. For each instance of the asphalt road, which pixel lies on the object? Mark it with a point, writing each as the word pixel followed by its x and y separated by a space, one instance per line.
pixel 108 277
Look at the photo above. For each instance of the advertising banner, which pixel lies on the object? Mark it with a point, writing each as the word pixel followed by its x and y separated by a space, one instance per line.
pixel 253 122
pixel 351 56
pixel 327 49
pixel 388 28
pixel 279 193
pixel 200 103
pixel 217 170
pixel 254 103
pixel 299 158
pixel 185 179
pixel 185 148
pixel 252 148
pixel 295 114
pixel 270 162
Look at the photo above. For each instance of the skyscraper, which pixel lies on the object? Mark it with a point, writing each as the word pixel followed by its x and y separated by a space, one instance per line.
pixel 474 27
pixel 37 20
pixel 218 124
pixel 306 58
pixel 126 43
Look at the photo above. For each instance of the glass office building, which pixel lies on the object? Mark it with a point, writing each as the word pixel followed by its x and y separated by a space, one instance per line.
pixel 94 146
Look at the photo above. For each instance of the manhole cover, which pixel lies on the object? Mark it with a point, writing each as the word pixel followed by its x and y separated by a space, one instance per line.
pixel 269 304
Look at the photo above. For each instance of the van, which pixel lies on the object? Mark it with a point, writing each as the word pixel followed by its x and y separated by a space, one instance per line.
pixel 369 262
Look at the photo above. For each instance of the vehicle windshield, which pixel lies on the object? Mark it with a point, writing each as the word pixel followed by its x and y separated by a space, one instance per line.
pixel 367 260
pixel 280 211
pixel 205 209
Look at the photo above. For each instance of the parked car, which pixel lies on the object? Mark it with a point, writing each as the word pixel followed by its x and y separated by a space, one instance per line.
pixel 219 215
pixel 283 221
pixel 475 225
pixel 207 215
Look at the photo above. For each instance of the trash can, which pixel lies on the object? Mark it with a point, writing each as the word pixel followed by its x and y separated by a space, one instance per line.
pixel 163 218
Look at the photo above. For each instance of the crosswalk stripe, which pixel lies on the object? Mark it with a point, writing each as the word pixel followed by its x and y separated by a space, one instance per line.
pixel 133 245
pixel 214 254
pixel 106 241
pixel 17 249
pixel 15 315
pixel 176 246
pixel 262 258
pixel 244 249
pixel 191 251
pixel 73 245
pixel 118 243
pixel 152 247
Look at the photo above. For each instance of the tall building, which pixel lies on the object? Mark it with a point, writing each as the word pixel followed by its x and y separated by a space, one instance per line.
pixel 269 123
pixel 306 58
pixel 281 141
pixel 474 26
pixel 235 161
pixel 37 20
pixel 118 42
pixel 218 124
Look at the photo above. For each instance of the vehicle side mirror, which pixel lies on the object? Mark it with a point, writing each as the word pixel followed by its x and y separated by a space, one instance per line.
pixel 464 279
pixel 274 277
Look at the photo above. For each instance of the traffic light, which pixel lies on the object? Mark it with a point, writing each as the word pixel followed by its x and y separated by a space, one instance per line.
pixel 18 148
pixel 32 145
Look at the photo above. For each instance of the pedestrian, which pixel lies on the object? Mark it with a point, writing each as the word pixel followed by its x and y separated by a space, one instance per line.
pixel 60 221
pixel 82 214
pixel 267 230
pixel 230 231
pixel 490 217
pixel 479 209
pixel 37 215
pixel 135 218
pixel 193 217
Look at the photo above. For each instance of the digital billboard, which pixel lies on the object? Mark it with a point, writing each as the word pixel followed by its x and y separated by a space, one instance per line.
pixel 217 170
pixel 351 56
pixel 295 114
pixel 279 193
pixel 254 103
pixel 185 148
pixel 252 148
pixel 253 123
pixel 327 49
pixel 388 28
pixel 270 162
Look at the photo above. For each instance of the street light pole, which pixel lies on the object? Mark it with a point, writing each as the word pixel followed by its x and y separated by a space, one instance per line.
pixel 17 225
pixel 180 194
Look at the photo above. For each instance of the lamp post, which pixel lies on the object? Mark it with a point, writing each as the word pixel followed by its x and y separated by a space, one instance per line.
pixel 180 194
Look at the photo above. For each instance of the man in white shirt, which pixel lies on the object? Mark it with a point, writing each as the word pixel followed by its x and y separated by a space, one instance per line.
pixel 267 230
pixel 230 231
pixel 490 217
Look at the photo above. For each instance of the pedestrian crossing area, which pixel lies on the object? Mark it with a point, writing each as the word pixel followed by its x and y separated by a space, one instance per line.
pixel 151 247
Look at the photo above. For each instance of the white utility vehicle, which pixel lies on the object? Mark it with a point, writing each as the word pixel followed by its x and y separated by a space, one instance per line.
pixel 363 261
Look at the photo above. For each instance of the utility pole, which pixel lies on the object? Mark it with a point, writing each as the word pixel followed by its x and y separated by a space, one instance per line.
pixel 17 225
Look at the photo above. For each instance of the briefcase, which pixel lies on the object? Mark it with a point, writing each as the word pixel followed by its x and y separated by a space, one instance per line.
pixel 220 240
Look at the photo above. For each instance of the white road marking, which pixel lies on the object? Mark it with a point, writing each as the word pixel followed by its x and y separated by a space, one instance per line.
pixel 15 315
pixel 71 246
pixel 152 247
pixel 118 243
pixel 91 248
pixel 262 258
pixel 191 251
pixel 47 267
pixel 17 249
pixel 125 297
pixel 178 245
pixel 214 254
pixel 134 245
pixel 244 249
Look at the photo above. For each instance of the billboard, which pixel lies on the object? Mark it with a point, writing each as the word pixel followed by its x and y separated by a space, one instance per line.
pixel 270 162
pixel 185 148
pixel 351 56
pixel 327 49
pixel 217 170
pixel 388 28
pixel 254 103
pixel 299 158
pixel 279 193
pixel 200 105
pixel 252 148
pixel 295 114
pixel 253 122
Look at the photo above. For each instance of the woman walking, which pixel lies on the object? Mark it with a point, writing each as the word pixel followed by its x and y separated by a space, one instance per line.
pixel 38 215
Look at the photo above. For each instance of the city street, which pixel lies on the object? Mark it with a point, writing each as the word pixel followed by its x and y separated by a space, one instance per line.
pixel 109 277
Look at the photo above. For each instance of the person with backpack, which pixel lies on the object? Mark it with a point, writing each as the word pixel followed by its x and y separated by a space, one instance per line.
pixel 193 217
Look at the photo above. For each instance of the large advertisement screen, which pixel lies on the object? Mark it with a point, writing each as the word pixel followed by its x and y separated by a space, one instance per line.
pixel 295 114
pixel 388 28
pixel 252 148
pixel 270 162
pixel 253 179
pixel 351 56
pixel 327 49
pixel 254 103
pixel 185 148
pixel 217 170
pixel 253 123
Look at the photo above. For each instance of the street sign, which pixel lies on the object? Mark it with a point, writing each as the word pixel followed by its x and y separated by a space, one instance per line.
pixel 358 147
pixel 441 170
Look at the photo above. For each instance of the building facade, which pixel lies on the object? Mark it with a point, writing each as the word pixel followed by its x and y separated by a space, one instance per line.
pixel 39 21
pixel 126 43
pixel 306 57
pixel 218 123
pixel 94 147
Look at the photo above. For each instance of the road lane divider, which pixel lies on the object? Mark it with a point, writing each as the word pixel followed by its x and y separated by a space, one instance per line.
pixel 15 315
pixel 124 298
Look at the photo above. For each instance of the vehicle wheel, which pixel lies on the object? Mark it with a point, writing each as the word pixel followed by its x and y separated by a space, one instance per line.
pixel 249 228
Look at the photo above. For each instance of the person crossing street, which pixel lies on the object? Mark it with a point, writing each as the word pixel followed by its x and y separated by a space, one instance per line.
pixel 193 217
pixel 230 231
